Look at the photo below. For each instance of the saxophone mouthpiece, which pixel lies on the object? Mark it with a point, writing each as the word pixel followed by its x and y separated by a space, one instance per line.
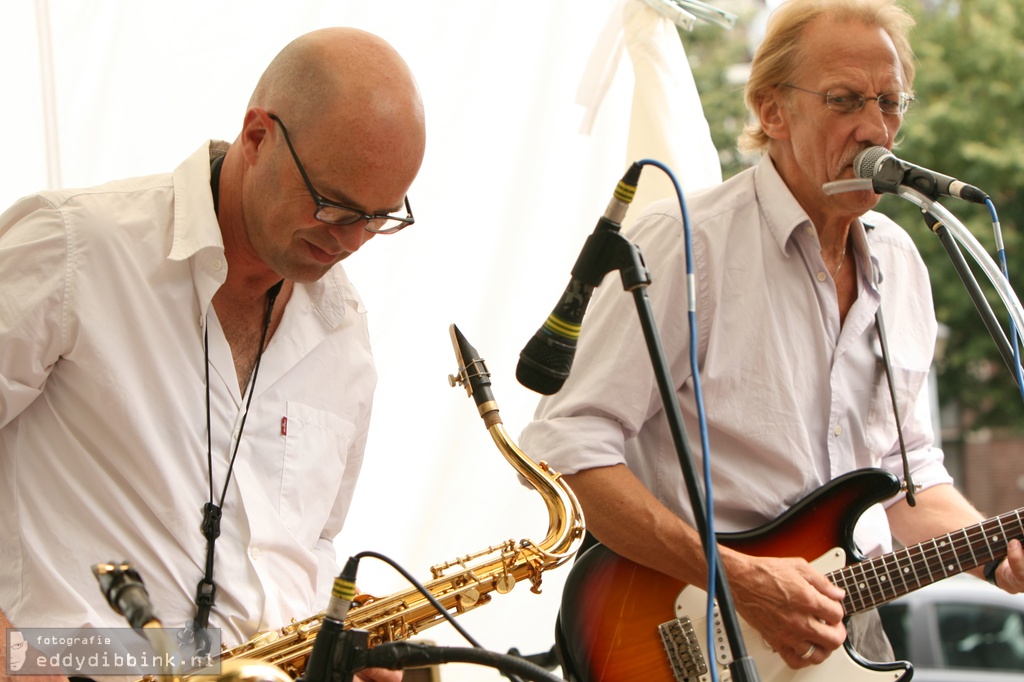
pixel 472 374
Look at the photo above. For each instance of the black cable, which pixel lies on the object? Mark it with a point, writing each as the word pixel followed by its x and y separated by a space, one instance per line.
pixel 433 601
pixel 422 590
pixel 545 659
pixel 399 655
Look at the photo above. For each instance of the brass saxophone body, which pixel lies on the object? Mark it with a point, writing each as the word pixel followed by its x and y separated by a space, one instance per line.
pixel 459 585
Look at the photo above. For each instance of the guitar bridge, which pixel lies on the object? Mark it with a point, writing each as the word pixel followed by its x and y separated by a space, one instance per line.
pixel 683 649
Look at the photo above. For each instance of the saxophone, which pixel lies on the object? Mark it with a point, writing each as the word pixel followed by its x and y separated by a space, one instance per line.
pixel 457 585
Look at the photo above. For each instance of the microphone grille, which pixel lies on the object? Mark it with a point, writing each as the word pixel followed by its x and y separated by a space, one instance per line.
pixel 545 362
pixel 866 163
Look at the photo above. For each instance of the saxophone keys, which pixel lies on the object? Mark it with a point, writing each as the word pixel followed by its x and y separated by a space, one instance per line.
pixel 504 584
pixel 469 597
pixel 264 638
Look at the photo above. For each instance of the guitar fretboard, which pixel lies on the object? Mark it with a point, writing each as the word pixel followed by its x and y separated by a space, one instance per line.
pixel 882 579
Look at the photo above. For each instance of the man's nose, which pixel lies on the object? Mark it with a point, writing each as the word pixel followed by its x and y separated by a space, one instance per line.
pixel 875 127
pixel 351 237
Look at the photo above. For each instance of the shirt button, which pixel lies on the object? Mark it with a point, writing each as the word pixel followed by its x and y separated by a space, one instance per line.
pixel 809 229
pixel 255 553
pixel 821 276
pixel 838 430
pixel 218 264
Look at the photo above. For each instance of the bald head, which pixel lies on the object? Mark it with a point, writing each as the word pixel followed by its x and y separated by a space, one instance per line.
pixel 323 68
pixel 348 90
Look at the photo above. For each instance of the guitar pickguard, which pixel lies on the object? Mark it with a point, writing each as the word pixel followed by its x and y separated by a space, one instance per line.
pixel 691 613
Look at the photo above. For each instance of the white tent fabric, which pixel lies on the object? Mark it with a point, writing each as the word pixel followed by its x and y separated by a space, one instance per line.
pixel 667 120
pixel 508 192
pixel 664 101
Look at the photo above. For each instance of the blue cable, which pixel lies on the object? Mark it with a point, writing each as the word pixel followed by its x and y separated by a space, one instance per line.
pixel 1001 254
pixel 712 547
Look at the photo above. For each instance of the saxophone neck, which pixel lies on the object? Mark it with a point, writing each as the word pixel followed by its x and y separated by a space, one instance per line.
pixel 565 517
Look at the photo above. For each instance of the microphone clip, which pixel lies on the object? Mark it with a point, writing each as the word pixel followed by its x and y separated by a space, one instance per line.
pixel 607 250
pixel 337 654
pixel 887 178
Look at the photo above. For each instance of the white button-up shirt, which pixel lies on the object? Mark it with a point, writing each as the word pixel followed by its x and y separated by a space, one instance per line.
pixel 793 399
pixel 104 300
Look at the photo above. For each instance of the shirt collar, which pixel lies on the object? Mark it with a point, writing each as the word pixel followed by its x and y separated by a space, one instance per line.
pixel 195 221
pixel 332 294
pixel 781 211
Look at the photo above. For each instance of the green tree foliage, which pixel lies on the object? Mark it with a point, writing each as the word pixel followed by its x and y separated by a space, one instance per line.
pixel 967 122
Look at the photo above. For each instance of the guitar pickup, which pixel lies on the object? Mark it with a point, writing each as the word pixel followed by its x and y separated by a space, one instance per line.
pixel 683 649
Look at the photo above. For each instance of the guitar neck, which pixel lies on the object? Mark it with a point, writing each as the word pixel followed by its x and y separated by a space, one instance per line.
pixel 882 579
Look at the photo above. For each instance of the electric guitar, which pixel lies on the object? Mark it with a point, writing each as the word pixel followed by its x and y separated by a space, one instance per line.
pixel 620 621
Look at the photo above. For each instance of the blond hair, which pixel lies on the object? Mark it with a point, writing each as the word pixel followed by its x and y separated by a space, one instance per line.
pixel 781 52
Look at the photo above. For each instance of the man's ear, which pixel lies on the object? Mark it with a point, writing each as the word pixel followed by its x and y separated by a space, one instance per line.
pixel 254 129
pixel 774 114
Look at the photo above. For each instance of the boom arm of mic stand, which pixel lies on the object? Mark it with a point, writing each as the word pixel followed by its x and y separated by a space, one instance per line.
pixel 970 282
pixel 626 258
pixel 1002 287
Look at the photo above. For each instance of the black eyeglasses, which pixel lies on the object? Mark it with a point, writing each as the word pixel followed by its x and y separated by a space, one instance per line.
pixel 848 102
pixel 334 213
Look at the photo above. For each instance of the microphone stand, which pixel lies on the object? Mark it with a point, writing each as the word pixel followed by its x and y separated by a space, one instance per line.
pixel 970 282
pixel 615 252
pixel 948 224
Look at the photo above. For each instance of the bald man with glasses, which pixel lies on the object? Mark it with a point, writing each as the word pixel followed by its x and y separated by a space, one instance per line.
pixel 187 379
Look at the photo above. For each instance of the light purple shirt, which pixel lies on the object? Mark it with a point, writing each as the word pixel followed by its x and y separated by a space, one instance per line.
pixel 792 398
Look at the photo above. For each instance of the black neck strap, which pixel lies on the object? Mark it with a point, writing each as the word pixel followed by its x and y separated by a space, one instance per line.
pixel 908 481
pixel 206 589
pixel 215 163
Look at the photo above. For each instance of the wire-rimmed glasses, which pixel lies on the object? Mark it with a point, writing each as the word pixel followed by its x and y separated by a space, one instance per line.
pixel 847 102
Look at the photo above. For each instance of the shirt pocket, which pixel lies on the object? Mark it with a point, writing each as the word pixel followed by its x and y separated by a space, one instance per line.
pixel 882 435
pixel 316 452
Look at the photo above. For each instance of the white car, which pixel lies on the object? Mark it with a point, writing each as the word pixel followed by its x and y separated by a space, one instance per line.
pixel 960 629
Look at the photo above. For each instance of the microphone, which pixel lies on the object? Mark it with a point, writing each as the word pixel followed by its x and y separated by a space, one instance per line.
pixel 887 173
pixel 545 361
pixel 322 657
pixel 122 586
